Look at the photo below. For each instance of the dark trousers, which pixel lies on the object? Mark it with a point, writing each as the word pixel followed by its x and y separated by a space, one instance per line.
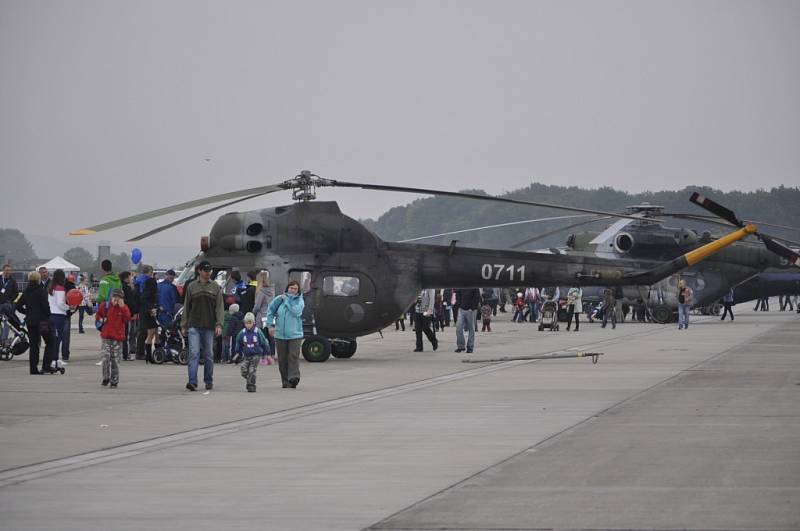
pixel 81 312
pixel 728 310
pixel 487 325
pixel 33 357
pixel 65 335
pixel 399 323
pixel 571 311
pixel 422 323
pixel 133 337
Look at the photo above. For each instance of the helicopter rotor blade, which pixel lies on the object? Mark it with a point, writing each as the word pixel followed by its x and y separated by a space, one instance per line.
pixel 770 241
pixel 556 231
pixel 189 218
pixel 716 208
pixel 510 223
pixel 249 192
pixel 707 218
pixel 426 191
pixel 781 250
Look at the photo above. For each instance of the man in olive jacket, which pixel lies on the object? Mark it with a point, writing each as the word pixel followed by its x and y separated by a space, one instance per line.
pixel 203 314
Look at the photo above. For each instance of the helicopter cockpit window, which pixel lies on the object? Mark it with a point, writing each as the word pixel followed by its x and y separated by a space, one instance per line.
pixel 303 277
pixel 340 286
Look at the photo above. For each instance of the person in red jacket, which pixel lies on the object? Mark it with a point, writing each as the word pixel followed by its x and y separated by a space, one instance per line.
pixel 114 318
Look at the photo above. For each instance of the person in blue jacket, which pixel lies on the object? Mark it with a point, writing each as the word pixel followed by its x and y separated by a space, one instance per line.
pixel 167 298
pixel 285 322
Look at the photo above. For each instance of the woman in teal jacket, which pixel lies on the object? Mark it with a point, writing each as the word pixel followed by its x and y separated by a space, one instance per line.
pixel 285 322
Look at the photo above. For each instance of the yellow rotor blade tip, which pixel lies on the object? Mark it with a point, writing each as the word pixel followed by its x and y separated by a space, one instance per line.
pixel 82 232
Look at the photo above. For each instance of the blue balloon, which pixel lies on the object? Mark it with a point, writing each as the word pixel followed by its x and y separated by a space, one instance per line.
pixel 136 255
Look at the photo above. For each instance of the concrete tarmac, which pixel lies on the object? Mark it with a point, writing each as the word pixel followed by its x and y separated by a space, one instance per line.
pixel 694 429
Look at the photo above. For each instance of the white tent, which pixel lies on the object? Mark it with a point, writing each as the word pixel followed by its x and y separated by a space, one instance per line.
pixel 60 263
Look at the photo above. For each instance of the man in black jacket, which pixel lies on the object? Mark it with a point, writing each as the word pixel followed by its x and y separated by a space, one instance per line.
pixel 468 302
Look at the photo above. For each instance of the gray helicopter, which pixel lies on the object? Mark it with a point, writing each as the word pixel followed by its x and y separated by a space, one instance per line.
pixel 354 283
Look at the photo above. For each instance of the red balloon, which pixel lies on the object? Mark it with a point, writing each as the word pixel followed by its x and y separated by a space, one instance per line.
pixel 74 297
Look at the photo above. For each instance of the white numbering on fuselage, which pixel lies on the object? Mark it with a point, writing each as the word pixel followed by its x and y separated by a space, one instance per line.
pixel 502 271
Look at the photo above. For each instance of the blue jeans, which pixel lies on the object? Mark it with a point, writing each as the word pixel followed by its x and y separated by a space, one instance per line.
pixel 57 321
pixel 201 340
pixel 683 315
pixel 534 312
pixel 466 321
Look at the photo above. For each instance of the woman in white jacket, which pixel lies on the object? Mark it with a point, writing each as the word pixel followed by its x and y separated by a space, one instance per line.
pixel 56 297
pixel 574 306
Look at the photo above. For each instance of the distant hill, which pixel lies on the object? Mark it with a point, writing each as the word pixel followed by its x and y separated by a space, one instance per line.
pixel 442 214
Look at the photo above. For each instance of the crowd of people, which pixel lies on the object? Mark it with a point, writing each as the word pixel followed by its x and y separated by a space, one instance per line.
pixel 245 323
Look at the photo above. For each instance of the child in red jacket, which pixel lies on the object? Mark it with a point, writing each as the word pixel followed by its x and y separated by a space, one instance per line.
pixel 113 317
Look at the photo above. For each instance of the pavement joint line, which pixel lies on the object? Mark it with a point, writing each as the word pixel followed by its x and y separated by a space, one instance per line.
pixel 534 447
pixel 34 471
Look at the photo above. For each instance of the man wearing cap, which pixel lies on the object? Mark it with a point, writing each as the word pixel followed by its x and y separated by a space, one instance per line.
pixel 203 314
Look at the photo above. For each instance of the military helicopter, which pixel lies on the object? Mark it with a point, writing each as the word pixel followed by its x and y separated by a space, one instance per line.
pixel 355 284
pixel 648 238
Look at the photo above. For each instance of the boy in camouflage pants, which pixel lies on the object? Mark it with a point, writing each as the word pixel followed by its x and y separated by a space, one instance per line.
pixel 113 318
pixel 251 344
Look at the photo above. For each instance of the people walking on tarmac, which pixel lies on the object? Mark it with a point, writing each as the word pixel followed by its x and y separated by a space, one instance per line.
pixel 609 308
pixel 167 298
pixel 251 345
pixel 147 289
pixel 533 299
pixel 44 274
pixel 519 308
pixel 574 306
pixel 486 317
pixel 727 301
pixel 36 307
pixel 114 318
pixel 685 300
pixel 108 282
pixel 131 298
pixel 468 301
pixel 202 320
pixel 247 297
pixel 285 323
pixel 231 326
pixel 264 295
pixel 56 297
pixel 423 311
pixel 86 304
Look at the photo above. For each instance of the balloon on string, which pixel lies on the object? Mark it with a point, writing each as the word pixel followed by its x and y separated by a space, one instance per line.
pixel 74 297
pixel 136 255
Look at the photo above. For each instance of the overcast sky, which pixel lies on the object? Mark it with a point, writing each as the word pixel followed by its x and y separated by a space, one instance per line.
pixel 108 108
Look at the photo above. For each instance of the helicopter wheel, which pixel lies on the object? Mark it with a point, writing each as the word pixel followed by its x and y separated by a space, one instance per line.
pixel 662 314
pixel 316 349
pixel 343 349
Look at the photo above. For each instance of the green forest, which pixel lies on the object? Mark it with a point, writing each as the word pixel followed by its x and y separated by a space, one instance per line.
pixel 435 215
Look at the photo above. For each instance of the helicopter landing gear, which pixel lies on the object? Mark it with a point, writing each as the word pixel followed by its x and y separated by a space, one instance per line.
pixel 316 349
pixel 344 348
pixel 662 314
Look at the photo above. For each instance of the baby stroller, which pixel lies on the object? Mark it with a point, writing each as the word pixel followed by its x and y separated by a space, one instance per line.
pixel 548 317
pixel 170 345
pixel 17 341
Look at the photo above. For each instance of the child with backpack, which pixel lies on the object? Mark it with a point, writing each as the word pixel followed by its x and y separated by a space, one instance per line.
pixel 112 318
pixel 251 344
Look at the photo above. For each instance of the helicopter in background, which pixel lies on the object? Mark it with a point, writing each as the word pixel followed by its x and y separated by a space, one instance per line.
pixel 355 284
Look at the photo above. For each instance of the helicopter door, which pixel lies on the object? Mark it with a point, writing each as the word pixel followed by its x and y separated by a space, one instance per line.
pixel 348 299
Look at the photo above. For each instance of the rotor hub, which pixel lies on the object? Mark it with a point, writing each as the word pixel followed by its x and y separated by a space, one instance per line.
pixel 304 185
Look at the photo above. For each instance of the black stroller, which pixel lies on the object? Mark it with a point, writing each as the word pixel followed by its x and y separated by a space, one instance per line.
pixel 17 341
pixel 171 345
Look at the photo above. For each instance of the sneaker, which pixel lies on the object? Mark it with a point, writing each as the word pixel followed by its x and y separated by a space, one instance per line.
pixel 269 361
pixel 417 350
pixel 251 388
pixel 209 386
pixel 99 363
pixel 191 387
pixel 285 385
pixel 293 382
pixel 459 350
pixel 469 351
pixel 436 346
pixel 104 383
pixel 113 386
